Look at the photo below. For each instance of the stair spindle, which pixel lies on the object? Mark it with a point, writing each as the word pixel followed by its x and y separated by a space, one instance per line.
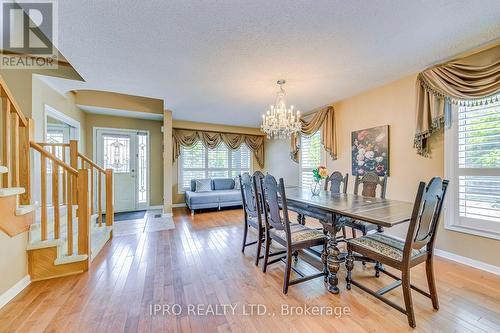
pixel 65 175
pixel 15 160
pixel 6 158
pixel 43 196
pixel 91 189
pixel 55 199
pixel 99 199
pixel 69 215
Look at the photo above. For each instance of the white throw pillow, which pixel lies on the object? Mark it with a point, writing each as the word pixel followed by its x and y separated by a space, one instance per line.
pixel 237 183
pixel 203 185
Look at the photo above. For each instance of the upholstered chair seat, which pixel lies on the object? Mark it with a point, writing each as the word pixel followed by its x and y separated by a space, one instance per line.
pixel 299 233
pixel 382 244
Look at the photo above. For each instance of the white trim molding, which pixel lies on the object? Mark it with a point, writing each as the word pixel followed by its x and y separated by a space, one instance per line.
pixel 179 205
pixel 12 292
pixel 468 261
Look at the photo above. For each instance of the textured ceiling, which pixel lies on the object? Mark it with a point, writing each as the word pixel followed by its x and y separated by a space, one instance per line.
pixel 218 61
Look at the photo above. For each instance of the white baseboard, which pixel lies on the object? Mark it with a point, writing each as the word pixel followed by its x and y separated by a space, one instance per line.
pixel 155 207
pixel 468 261
pixel 7 296
pixel 179 205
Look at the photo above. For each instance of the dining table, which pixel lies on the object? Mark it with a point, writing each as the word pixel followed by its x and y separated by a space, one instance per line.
pixel 333 210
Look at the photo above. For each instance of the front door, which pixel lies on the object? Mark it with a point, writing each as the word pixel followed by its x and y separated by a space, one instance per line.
pixel 117 150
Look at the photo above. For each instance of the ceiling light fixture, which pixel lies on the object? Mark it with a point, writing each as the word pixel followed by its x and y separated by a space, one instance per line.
pixel 280 122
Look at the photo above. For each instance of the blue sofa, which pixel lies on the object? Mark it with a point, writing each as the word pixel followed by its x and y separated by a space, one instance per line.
pixel 223 194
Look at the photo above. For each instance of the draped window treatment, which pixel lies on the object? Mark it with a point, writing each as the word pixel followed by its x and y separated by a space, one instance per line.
pixel 472 80
pixel 188 138
pixel 324 119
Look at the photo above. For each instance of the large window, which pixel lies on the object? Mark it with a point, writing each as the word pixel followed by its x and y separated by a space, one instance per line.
pixel 310 157
pixel 221 162
pixel 473 167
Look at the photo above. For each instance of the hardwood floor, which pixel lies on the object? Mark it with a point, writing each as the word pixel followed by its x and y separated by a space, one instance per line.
pixel 200 263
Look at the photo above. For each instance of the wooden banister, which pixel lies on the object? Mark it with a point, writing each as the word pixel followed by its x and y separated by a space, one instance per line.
pixel 53 158
pixel 91 163
pixel 51 144
pixel 5 92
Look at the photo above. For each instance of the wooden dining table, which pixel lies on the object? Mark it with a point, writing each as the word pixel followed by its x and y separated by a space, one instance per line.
pixel 334 210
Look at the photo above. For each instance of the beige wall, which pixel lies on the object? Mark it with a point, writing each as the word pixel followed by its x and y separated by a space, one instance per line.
pixel 178 198
pixel 110 100
pixel 278 162
pixel 156 137
pixel 43 95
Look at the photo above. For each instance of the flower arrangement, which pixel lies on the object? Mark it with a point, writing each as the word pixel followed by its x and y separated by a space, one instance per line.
pixel 319 173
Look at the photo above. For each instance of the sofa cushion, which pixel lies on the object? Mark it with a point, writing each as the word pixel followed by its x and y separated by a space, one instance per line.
pixel 203 185
pixel 223 184
pixel 197 198
pixel 229 195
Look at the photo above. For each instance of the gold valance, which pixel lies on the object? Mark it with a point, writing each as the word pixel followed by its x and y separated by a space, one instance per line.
pixel 324 119
pixel 188 138
pixel 472 80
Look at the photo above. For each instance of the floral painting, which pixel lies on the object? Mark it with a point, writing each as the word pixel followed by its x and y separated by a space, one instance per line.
pixel 370 151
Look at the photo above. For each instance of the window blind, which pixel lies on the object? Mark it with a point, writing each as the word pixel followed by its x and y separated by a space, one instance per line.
pixel 479 162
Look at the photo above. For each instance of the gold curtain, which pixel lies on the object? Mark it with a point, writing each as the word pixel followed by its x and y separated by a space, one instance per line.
pixel 324 119
pixel 188 138
pixel 472 80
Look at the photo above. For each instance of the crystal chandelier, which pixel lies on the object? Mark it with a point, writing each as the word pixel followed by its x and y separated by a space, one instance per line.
pixel 280 122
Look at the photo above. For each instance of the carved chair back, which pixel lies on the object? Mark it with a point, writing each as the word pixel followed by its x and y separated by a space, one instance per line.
pixel 249 197
pixel 338 183
pixel 425 216
pixel 370 181
pixel 273 194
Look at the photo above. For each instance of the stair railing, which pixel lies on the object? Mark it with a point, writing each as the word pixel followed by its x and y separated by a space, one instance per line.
pixel 100 173
pixel 78 179
pixel 17 132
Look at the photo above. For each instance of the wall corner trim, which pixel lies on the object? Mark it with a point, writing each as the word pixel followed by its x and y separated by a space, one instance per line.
pixel 468 261
pixel 12 292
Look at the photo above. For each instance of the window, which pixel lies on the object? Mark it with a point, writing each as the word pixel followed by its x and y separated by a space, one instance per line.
pixel 117 153
pixel 221 162
pixel 54 136
pixel 310 157
pixel 473 167
pixel 142 168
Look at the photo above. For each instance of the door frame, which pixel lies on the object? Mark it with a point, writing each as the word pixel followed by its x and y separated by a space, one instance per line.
pixel 49 111
pixel 138 206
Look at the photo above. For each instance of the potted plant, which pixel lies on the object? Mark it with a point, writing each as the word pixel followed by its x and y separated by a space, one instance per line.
pixel 319 173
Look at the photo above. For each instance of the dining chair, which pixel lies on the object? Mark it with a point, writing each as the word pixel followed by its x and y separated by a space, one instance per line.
pixel 418 247
pixel 337 184
pixel 369 182
pixel 252 215
pixel 294 237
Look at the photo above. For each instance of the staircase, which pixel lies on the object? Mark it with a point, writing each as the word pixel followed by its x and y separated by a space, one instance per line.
pixel 65 235
pixel 22 216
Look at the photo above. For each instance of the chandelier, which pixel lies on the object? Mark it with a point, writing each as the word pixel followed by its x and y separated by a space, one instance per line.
pixel 280 122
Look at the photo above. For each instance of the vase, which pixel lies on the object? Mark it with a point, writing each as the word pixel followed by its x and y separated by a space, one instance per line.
pixel 316 187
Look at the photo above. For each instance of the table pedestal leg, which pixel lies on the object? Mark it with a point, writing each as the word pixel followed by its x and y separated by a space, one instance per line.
pixel 333 260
